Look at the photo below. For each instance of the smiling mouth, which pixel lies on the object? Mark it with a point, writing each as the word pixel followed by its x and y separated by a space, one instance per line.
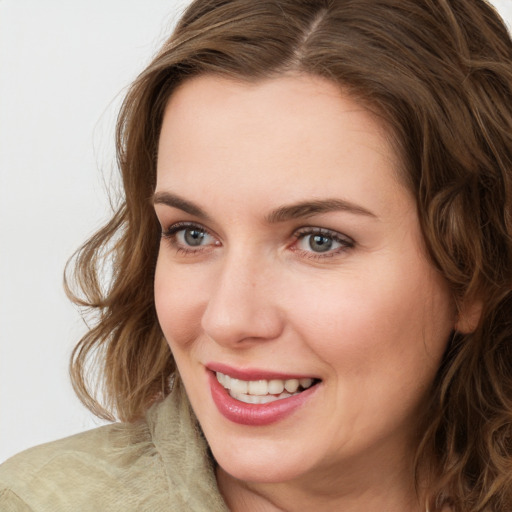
pixel 263 391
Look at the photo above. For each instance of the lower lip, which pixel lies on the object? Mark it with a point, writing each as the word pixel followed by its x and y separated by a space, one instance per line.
pixel 255 414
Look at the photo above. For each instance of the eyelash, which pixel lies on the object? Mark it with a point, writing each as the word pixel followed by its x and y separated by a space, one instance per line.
pixel 344 241
pixel 171 234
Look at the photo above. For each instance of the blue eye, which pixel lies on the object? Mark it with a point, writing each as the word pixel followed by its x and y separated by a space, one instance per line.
pixel 192 237
pixel 188 237
pixel 322 241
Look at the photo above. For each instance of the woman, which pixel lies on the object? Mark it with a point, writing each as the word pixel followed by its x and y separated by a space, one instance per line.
pixel 317 224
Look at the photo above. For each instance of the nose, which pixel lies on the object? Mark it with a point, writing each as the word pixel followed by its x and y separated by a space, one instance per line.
pixel 243 305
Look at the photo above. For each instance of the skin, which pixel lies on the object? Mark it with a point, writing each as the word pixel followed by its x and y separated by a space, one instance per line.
pixel 370 317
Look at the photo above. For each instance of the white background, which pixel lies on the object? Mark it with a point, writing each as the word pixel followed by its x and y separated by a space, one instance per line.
pixel 63 68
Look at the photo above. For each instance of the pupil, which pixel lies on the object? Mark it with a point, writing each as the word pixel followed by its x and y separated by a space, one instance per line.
pixel 193 237
pixel 320 243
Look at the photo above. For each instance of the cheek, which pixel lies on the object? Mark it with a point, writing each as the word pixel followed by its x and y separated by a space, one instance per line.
pixel 382 341
pixel 376 325
pixel 179 302
pixel 358 323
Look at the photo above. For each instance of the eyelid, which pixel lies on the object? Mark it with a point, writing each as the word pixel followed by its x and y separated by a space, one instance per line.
pixel 178 226
pixel 170 235
pixel 346 242
pixel 312 230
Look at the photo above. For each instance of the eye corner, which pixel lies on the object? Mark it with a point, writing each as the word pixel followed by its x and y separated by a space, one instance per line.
pixel 329 243
pixel 189 238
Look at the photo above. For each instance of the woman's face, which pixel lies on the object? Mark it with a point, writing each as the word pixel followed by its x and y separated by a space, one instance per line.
pixel 292 256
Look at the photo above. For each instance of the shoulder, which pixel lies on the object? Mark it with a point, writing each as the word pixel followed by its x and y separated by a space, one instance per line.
pixel 10 502
pixel 109 468
pixel 158 464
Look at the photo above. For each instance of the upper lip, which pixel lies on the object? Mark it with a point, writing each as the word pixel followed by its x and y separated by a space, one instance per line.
pixel 254 373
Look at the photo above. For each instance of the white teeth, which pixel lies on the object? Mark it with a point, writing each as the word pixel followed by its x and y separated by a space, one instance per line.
pixel 262 391
pixel 223 379
pixel 258 387
pixel 275 387
pixel 256 399
pixel 238 386
pixel 306 383
pixel 291 385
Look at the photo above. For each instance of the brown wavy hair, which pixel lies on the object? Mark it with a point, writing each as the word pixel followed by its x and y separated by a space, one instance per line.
pixel 439 75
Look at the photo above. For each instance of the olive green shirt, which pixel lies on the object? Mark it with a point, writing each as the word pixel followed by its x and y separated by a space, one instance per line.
pixel 157 464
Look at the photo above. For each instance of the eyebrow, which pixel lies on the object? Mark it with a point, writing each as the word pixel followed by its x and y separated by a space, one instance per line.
pixel 316 207
pixel 299 210
pixel 178 202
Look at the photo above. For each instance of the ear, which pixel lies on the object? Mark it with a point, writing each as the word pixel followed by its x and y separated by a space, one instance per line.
pixel 469 316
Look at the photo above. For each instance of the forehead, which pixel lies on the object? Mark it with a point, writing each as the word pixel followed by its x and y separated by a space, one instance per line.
pixel 295 131
pixel 295 98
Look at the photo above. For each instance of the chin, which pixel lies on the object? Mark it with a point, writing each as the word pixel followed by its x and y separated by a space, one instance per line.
pixel 262 463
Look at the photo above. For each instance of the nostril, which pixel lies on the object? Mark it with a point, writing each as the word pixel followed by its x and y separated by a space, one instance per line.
pixel 231 322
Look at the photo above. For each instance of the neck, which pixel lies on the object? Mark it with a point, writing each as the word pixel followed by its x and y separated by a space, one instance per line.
pixel 387 493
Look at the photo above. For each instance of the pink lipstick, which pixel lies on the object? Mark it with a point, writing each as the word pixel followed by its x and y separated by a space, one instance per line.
pixel 258 414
